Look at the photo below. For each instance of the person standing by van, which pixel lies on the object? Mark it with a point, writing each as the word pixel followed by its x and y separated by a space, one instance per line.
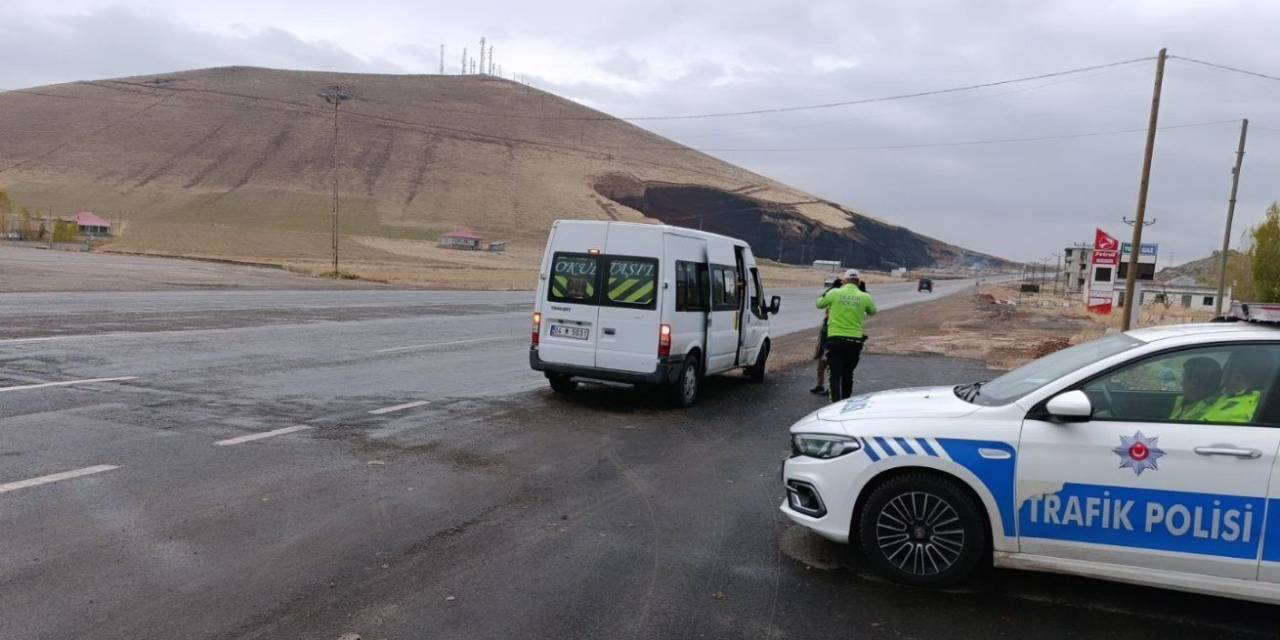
pixel 821 356
pixel 847 308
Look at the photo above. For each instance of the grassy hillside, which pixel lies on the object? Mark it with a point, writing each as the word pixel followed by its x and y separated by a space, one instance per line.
pixel 236 163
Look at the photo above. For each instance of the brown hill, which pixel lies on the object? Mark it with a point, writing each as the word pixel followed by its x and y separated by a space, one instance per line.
pixel 1204 271
pixel 236 163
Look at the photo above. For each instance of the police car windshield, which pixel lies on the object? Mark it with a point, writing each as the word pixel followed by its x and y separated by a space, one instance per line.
pixel 1037 373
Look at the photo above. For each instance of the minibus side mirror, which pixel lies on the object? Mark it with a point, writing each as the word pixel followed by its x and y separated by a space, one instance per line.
pixel 775 303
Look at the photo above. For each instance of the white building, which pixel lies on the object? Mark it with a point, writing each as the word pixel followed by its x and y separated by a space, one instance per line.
pixel 1075 267
pixel 1182 292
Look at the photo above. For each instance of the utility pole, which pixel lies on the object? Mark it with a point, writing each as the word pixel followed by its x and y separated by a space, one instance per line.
pixel 1131 281
pixel 335 95
pixel 464 61
pixel 482 54
pixel 1057 275
pixel 1231 212
pixel 442 59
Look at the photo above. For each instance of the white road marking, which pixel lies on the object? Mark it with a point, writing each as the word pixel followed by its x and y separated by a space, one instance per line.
pixel 65 475
pixel 258 436
pixel 69 337
pixel 399 407
pixel 65 383
pixel 432 344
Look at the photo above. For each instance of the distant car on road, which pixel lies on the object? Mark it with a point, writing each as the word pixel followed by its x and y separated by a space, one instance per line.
pixel 925 284
pixel 1145 457
pixel 647 304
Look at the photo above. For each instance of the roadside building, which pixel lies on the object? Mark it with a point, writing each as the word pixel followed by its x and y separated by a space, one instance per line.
pixel 1075 267
pixel 1182 292
pixel 461 240
pixel 89 223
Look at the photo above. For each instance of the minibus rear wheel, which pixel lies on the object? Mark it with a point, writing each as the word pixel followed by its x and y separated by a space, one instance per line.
pixel 562 383
pixel 684 392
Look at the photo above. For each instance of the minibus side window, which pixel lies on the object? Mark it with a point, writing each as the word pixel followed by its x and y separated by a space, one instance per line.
pixel 757 295
pixel 633 282
pixel 724 288
pixel 691 286
pixel 575 278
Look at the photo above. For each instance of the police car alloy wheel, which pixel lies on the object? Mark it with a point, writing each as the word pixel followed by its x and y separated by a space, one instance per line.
pixel 922 529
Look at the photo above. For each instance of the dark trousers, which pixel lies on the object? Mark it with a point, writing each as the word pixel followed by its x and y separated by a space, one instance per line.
pixel 842 356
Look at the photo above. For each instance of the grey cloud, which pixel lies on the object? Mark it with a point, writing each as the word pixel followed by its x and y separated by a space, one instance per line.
pixel 121 42
pixel 1022 200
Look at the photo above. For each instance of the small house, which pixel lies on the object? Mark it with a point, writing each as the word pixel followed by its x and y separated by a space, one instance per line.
pixel 89 223
pixel 461 240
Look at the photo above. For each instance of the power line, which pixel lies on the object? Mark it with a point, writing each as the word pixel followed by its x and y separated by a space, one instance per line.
pixel 883 114
pixel 809 107
pixel 902 96
pixel 1228 68
pixel 963 143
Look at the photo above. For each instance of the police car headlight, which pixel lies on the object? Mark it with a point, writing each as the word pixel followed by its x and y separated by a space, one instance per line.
pixel 823 446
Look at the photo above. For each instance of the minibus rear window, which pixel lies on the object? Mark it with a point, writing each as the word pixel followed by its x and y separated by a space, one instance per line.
pixel 633 282
pixel 575 277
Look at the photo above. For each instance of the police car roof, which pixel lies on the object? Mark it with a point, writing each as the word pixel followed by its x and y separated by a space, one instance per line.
pixel 1223 329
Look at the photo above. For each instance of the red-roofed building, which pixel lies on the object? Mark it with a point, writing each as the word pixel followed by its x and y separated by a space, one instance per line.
pixel 461 240
pixel 89 223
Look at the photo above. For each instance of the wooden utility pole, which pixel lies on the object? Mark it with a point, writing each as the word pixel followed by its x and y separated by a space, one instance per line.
pixel 1231 212
pixel 1131 279
pixel 335 95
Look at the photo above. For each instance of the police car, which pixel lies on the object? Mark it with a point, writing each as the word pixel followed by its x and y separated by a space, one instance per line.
pixel 1145 457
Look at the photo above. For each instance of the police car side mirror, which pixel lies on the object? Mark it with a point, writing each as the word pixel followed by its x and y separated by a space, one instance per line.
pixel 775 303
pixel 1071 406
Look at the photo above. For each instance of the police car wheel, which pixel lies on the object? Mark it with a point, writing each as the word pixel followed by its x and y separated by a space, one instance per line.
pixel 685 390
pixel 922 529
pixel 563 384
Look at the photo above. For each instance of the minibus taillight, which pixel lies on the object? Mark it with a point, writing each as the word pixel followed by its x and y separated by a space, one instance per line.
pixel 664 341
pixel 537 328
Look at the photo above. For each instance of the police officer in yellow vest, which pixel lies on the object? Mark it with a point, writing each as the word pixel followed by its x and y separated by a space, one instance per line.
pixel 1201 379
pixel 847 306
pixel 1242 384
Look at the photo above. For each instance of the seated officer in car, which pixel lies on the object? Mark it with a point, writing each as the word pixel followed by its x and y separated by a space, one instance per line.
pixel 1201 378
pixel 1241 388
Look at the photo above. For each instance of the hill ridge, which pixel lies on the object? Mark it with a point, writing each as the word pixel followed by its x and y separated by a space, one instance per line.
pixel 228 161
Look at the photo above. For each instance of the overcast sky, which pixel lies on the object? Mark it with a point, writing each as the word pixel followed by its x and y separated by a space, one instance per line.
pixel 1022 200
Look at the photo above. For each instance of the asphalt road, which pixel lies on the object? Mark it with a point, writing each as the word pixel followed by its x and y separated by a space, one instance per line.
pixel 308 464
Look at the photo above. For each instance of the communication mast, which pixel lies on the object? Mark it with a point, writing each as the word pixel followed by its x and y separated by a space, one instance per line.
pixel 464 61
pixel 490 59
pixel 442 59
pixel 481 54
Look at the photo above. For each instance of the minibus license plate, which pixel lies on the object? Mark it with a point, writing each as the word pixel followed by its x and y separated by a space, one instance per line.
pixel 577 333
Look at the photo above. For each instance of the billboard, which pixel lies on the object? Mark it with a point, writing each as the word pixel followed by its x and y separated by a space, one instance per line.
pixel 1148 250
pixel 1102 272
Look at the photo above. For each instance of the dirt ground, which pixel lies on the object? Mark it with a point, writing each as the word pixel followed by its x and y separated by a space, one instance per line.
pixel 993 326
pixel 419 263
pixel 32 269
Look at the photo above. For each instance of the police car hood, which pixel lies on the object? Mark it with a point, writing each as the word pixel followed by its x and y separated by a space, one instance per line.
pixel 920 402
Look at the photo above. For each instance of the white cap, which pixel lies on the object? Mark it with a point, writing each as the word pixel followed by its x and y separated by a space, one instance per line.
pixel 853 273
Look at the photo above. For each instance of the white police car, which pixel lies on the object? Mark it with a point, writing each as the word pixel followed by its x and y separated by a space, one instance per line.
pixel 1146 457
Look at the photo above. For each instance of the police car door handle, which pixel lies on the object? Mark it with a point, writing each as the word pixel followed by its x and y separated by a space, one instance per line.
pixel 1220 450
